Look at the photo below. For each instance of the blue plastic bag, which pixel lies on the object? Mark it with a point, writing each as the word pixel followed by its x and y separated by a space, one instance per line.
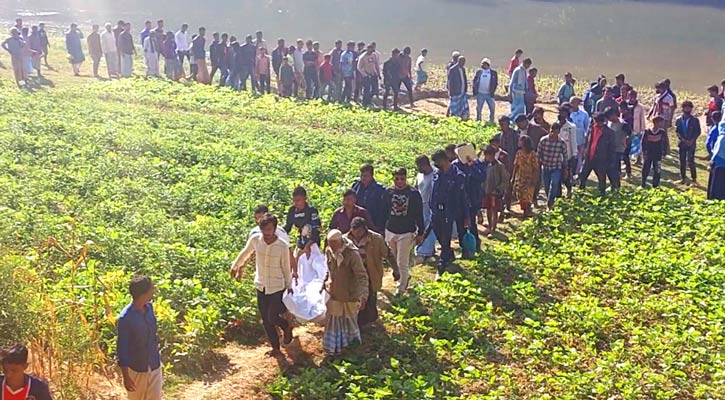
pixel 468 245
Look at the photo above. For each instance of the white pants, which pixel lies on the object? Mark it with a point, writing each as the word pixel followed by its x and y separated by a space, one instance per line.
pixel 148 385
pixel 126 65
pixel 152 64
pixel 402 247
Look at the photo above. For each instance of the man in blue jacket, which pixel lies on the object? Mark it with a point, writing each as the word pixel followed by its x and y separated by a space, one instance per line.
pixel 475 173
pixel 372 196
pixel 449 204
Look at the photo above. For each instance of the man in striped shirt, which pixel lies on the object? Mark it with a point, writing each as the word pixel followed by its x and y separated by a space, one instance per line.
pixel 272 277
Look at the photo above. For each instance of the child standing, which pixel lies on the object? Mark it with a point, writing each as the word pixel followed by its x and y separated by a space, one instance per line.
pixel 654 147
pixel 286 78
pixel 497 181
pixel 262 71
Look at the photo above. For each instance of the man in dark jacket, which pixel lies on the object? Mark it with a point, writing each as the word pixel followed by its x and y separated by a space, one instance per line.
pixel 474 170
pixel 688 130
pixel 484 87
pixel 449 204
pixel 458 90
pixel 248 59
pixel 372 196
pixel 391 79
pixel 599 151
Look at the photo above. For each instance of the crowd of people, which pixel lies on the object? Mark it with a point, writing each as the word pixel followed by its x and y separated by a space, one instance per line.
pixel 403 224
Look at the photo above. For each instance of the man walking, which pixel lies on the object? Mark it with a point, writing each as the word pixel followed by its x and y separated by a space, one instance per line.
pixel 581 119
pixel 484 88
pixel 391 79
pixel 372 196
pixel 406 66
pixel 552 159
pixel 458 90
pixel 424 185
pixel 404 228
pixel 272 277
pixel 137 343
pixel 598 153
pixel 14 46
pixel 421 77
pixel 368 67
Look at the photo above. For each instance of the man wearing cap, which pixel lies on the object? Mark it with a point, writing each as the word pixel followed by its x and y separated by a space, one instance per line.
pixel 518 88
pixel 347 283
pixel 688 130
pixel 475 172
pixel 598 152
pixel 485 84
pixel 458 90
pixel 581 119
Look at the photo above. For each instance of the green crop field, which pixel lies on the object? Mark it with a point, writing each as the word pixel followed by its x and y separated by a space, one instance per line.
pixel 619 297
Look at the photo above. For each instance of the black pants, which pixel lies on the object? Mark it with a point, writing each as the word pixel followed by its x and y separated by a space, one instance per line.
pixel 687 159
pixel 224 71
pixel 271 308
pixel 368 89
pixel 214 69
pixel 96 63
pixel 358 86
pixel 569 181
pixel 245 73
pixel 370 313
pixel 615 171
pixel 443 229
pixel 474 229
pixel 312 85
pixel 716 184
pixel 600 169
pixel 408 83
pixel 182 55
pixel 656 167
pixel 264 84
pixel 395 88
pixel 627 159
pixel 348 83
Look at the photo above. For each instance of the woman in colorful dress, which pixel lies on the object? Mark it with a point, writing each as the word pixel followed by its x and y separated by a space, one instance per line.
pixel 525 174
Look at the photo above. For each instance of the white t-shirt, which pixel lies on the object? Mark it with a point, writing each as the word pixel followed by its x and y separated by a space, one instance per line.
pixel 182 41
pixel 484 83
pixel 419 63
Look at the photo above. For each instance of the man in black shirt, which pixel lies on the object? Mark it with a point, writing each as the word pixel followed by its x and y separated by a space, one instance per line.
pixel 391 79
pixel 213 55
pixel 405 225
pixel 277 55
pixel 248 59
pixel 311 73
pixel 306 219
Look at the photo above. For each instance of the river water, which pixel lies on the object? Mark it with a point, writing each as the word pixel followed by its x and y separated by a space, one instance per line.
pixel 646 39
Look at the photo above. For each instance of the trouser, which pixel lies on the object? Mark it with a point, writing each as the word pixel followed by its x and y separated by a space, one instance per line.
pixel 214 69
pixel 265 85
pixel 271 309
pixel 245 73
pixel 152 64
pixel 348 82
pixel 370 313
pixel 627 159
pixel 328 86
pixel 112 64
pixel 96 63
pixel 428 247
pixel 368 83
pixel 299 82
pixel 569 181
pixel 202 73
pixel 18 69
pixel 358 80
pixel 615 171
pixel 482 99
pixel 312 85
pixel 395 87
pixel 537 188
pixel 581 153
pixel 656 167
pixel 401 245
pixel 599 169
pixel 337 80
pixel 687 159
pixel 552 184
pixel 233 79
pixel 184 54
pixel 443 229
pixel 408 83
pixel 518 106
pixel 126 65
pixel 223 75
pixel 473 217
pixel 148 385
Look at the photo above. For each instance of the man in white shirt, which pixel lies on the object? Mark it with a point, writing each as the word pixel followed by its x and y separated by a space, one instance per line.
pixel 421 75
pixel 110 51
pixel 271 278
pixel 182 45
pixel 424 184
pixel 259 42
pixel 568 135
pixel 485 84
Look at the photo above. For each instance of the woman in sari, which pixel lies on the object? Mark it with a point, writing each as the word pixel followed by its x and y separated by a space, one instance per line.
pixel 525 174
